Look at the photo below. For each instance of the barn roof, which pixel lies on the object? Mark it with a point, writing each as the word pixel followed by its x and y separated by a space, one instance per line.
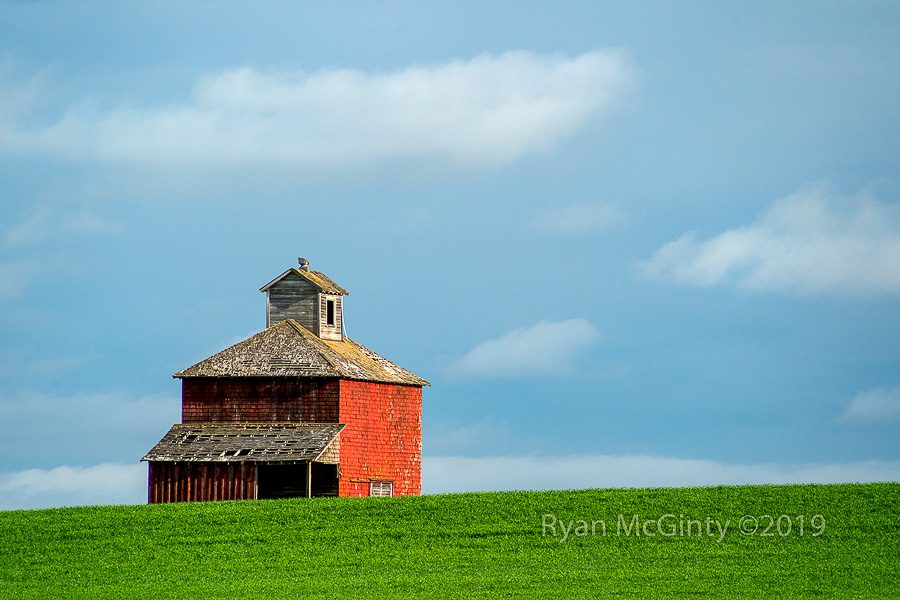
pixel 242 442
pixel 287 349
pixel 322 281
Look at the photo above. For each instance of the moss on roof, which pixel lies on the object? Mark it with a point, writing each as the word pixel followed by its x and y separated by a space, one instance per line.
pixel 287 349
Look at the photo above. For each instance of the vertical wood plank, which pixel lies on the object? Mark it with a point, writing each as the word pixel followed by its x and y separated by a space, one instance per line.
pixel 150 483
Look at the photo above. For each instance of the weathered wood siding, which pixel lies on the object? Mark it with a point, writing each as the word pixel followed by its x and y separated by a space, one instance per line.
pixel 259 400
pixel 294 298
pixel 201 481
pixel 326 331
pixel 332 454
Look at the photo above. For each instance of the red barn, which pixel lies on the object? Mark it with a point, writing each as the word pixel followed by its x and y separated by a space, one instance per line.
pixel 298 409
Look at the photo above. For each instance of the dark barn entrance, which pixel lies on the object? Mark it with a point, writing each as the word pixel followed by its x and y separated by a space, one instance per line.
pixel 290 480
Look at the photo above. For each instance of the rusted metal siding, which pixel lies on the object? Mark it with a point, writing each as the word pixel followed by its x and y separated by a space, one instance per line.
pixel 201 482
pixel 294 297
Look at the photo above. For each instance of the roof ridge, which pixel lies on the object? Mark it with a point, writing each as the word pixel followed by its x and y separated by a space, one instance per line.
pixel 303 331
pixel 317 278
pixel 289 349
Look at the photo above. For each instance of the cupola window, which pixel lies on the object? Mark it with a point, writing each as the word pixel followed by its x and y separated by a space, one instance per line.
pixel 329 313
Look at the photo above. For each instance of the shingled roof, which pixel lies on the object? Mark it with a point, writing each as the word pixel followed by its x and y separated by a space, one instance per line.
pixel 287 349
pixel 322 281
pixel 241 442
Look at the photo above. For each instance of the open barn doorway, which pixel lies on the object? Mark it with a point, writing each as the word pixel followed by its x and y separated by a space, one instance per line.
pixel 290 480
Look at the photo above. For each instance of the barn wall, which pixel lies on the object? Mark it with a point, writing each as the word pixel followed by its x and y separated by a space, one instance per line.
pixel 383 437
pixel 201 481
pixel 259 399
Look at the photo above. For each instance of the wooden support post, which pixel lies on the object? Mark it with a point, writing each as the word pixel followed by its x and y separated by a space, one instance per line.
pixel 309 479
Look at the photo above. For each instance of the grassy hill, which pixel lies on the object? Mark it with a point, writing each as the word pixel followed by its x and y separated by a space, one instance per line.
pixel 468 545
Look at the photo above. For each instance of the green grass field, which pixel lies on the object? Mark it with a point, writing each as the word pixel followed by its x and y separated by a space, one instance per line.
pixel 467 545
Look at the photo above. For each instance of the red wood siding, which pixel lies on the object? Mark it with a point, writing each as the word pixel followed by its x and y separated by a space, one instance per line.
pixel 259 399
pixel 383 437
pixel 200 482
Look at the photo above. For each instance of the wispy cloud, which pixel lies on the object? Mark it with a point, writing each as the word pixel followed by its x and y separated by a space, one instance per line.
pixel 462 474
pixel 107 483
pixel 34 228
pixel 88 223
pixel 19 93
pixel 577 219
pixel 44 223
pixel 449 437
pixel 24 364
pixel 875 406
pixel 489 110
pixel 86 428
pixel 546 348
pixel 14 277
pixel 812 242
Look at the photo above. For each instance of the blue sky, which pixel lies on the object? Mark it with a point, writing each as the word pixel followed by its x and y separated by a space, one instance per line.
pixel 628 243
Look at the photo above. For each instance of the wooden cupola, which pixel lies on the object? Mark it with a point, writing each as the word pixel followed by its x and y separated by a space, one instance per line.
pixel 308 297
pixel 298 409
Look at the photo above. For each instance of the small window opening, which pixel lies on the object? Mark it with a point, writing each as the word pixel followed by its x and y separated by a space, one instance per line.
pixel 329 312
pixel 381 488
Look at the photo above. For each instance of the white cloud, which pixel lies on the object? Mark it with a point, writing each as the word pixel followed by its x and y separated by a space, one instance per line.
pixel 462 474
pixel 547 348
pixel 812 242
pixel 875 406
pixel 489 110
pixel 106 483
pixel 577 219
